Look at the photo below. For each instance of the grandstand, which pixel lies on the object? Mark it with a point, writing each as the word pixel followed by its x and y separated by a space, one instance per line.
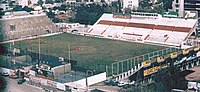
pixel 145 28
pixel 22 24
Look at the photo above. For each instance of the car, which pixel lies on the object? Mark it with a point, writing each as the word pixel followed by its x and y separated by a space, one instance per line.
pixel 111 82
pixel 5 74
pixel 21 81
pixel 121 84
pixel 13 76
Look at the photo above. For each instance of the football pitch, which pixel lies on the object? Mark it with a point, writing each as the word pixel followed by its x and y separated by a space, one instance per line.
pixel 87 51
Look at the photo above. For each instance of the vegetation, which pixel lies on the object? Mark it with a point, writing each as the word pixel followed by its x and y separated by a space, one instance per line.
pixel 40 2
pixel 2 51
pixel 88 14
pixel 19 8
pixel 2 83
pixel 164 81
pixel 171 78
pixel 49 1
pixel 159 7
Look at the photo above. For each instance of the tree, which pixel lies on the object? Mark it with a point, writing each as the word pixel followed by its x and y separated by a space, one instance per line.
pixel 114 7
pixel 167 4
pixel 2 83
pixel 102 1
pixel 119 6
pixel 59 1
pixel 26 8
pixel 2 52
pixel 170 78
pixel 1 12
pixel 17 8
pixel 88 14
pixel 11 3
pixel 49 2
pixel 145 4
pixel 40 2
pixel 51 14
pixel 127 10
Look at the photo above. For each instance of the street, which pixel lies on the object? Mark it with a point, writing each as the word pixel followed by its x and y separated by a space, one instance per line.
pixel 12 86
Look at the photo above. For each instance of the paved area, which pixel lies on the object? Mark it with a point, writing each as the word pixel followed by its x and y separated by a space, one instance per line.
pixel 101 86
pixel 12 86
pixel 106 88
pixel 195 75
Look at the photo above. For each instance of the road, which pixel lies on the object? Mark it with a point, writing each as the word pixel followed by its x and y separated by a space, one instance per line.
pixel 12 86
pixel 106 88
pixel 194 76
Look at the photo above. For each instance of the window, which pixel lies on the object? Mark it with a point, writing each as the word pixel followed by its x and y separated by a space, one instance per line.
pixel 12 27
pixel 129 1
pixel 129 5
pixel 177 1
pixel 177 5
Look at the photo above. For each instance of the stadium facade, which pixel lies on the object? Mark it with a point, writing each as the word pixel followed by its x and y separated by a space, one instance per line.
pixel 15 25
pixel 149 28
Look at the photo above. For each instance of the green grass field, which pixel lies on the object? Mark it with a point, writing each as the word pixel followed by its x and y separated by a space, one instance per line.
pixel 88 51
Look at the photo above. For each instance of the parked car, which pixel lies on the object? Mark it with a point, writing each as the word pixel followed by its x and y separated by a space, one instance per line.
pixel 111 83
pixel 121 84
pixel 21 81
pixel 13 76
pixel 5 74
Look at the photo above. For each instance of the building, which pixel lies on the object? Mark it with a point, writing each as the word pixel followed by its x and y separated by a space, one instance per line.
pixel 178 6
pixel 185 5
pixel 193 5
pixel 148 28
pixel 49 66
pixel 26 2
pixel 5 6
pixel 21 24
pixel 22 2
pixel 132 4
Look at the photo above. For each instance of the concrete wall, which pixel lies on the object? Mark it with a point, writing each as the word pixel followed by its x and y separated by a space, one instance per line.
pixel 47 82
pixel 91 80
pixel 62 69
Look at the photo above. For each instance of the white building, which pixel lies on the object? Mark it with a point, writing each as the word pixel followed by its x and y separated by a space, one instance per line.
pixel 26 2
pixel 5 7
pixel 178 6
pixel 130 4
pixel 22 2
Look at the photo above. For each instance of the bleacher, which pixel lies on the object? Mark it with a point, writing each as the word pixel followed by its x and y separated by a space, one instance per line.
pixel 27 25
pixel 112 31
pixel 176 37
pixel 135 33
pixel 159 35
pixel 98 29
pixel 154 30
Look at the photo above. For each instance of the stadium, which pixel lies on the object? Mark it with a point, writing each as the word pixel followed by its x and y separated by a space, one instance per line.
pixel 120 45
